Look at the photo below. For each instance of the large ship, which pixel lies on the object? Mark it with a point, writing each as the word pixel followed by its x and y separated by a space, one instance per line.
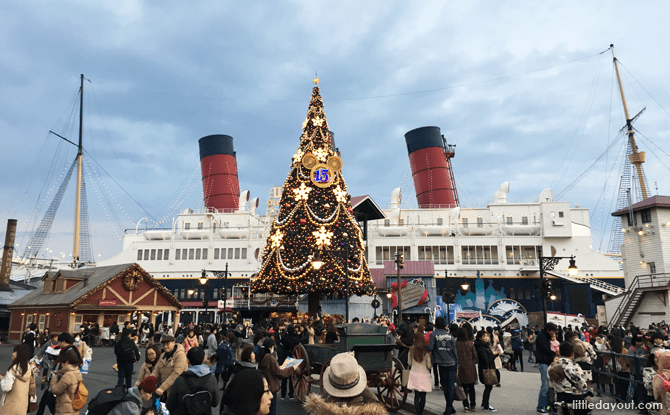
pixel 496 249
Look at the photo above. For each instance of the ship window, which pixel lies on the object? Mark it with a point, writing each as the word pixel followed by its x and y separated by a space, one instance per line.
pixel 439 221
pixel 215 294
pixel 191 253
pixel 166 254
pixel 560 214
pixel 244 253
pixel 527 293
pixel 646 215
pixel 204 253
pixel 230 253
pixel 524 220
pixel 387 223
pixel 652 267
pixel 512 293
pixel 139 254
pixel 159 255
pixel 153 254
pixel 177 254
pixel 187 226
pixel 237 253
pixel 480 222
pixel 200 225
pixel 464 221
pixel 401 222
pixel 197 253
pixel 216 253
pixel 146 254
pixel 510 221
pixel 223 253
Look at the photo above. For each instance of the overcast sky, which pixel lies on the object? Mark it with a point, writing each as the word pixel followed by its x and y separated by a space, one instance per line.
pixel 521 90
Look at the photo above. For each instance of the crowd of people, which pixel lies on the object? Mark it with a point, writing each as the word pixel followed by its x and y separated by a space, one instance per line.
pixel 200 367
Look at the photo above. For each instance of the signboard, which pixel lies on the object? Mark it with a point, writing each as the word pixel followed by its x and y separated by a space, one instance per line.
pixel 561 319
pixel 107 303
pixel 220 304
pixel 413 293
pixel 467 314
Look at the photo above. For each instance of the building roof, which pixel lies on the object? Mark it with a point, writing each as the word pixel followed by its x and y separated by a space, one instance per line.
pixel 93 279
pixel 412 268
pixel 654 201
pixel 378 277
pixel 365 208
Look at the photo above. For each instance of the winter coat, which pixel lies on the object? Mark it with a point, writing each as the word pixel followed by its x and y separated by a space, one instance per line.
pixel 485 358
pixel 64 386
pixel 419 375
pixel 121 358
pixel 467 357
pixel 566 376
pixel 663 363
pixel 288 342
pixel 167 369
pixel 195 377
pixel 442 346
pixel 145 372
pixel 212 344
pixel 364 404
pixel 270 367
pixel 543 353
pixel 517 344
pixel 507 343
pixel 242 365
pixel 190 342
pixel 131 404
pixel 583 351
pixel 15 396
pixel 221 353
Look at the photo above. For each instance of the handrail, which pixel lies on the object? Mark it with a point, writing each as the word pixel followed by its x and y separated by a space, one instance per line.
pixel 659 280
pixel 623 305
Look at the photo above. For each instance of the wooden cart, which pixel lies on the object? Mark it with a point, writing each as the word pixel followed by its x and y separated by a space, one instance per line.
pixel 367 343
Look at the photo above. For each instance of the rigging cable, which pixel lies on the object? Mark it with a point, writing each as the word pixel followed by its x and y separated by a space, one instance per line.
pixel 645 89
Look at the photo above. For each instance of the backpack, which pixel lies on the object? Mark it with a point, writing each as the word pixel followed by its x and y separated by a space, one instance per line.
pixel 128 350
pixel 198 401
pixel 106 400
pixel 80 396
pixel 229 358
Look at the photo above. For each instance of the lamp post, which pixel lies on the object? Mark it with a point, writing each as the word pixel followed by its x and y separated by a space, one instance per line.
pixel 451 295
pixel 548 263
pixel 400 264
pixel 317 262
pixel 205 281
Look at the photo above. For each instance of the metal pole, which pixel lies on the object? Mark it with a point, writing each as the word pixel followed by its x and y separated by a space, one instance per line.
pixel 80 155
pixel 225 293
pixel 446 284
pixel 397 265
pixel 543 299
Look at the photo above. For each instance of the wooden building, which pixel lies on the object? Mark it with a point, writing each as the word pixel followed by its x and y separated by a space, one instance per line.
pixel 70 298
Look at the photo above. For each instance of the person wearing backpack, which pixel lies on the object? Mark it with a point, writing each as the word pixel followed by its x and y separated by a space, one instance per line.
pixel 66 382
pixel 133 401
pixel 225 360
pixel 127 353
pixel 195 391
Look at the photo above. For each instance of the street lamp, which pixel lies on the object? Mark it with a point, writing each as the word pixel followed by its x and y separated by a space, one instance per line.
pixel 464 284
pixel 548 263
pixel 317 263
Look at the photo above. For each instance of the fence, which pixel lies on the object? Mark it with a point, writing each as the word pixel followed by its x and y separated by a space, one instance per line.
pixel 619 376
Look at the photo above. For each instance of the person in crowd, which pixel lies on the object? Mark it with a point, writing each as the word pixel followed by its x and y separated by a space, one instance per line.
pixel 404 341
pixel 544 356
pixel 136 398
pixel 621 365
pixel 44 337
pixel 442 346
pixel 212 342
pixel 30 338
pixel 53 341
pixel 638 350
pixel 189 391
pixel 507 348
pixel 288 342
pixel 151 357
pixel 114 332
pixel 419 375
pixel 273 372
pixel 531 346
pixel 65 381
pixel 485 360
pixel 246 360
pixel 467 372
pixel 65 343
pixel 251 384
pixel 346 385
pixel 584 355
pixel 517 350
pixel 331 334
pixel 225 359
pixel 662 376
pixel 567 378
pixel 497 350
pixel 309 330
pixel 127 354
pixel 171 364
pixel 191 340
pixel 18 383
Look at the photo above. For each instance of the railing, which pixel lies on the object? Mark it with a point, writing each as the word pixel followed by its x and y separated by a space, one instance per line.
pixel 644 281
pixel 623 374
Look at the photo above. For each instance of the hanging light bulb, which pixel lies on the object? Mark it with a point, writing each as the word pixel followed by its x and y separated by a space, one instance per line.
pixel 316 260
pixel 572 268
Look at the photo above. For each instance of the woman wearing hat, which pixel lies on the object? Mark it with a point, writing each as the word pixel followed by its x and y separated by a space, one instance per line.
pixel 346 387
pixel 273 373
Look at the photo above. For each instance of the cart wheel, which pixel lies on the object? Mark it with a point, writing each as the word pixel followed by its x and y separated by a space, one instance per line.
pixel 389 387
pixel 302 382
pixel 322 391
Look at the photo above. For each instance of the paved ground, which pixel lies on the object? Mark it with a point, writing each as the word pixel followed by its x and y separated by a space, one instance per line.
pixel 517 396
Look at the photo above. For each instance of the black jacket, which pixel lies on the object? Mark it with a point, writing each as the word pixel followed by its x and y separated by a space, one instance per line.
pixel 189 382
pixel 121 357
pixel 543 352
pixel 288 342
pixel 485 357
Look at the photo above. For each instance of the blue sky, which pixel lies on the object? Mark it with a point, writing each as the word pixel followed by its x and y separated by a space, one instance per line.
pixel 164 74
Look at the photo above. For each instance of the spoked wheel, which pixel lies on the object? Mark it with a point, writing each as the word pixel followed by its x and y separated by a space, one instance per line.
pixel 322 391
pixel 389 387
pixel 301 382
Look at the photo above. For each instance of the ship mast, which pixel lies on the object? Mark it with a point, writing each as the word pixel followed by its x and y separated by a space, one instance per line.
pixel 80 153
pixel 636 158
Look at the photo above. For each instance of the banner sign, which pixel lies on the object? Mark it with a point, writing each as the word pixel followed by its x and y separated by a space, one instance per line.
pixel 413 293
pixel 107 302
pixel 467 314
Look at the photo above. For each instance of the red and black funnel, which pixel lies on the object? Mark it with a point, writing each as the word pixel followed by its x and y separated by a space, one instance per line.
pixel 220 183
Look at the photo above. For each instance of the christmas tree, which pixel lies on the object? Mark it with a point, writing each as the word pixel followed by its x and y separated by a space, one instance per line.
pixel 315 222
